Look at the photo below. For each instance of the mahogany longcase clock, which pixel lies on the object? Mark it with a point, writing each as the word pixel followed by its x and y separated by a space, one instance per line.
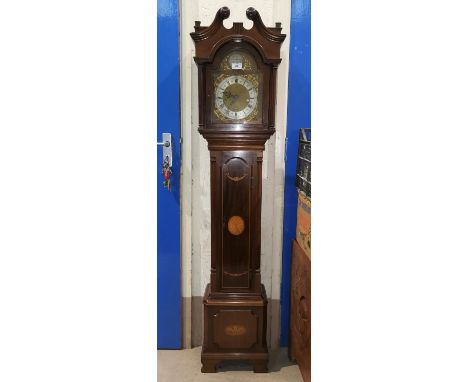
pixel 237 99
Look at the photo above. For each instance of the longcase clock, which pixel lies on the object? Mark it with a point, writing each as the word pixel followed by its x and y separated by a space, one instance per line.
pixel 237 99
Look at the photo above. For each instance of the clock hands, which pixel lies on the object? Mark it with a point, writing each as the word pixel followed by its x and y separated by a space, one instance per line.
pixel 235 100
pixel 231 97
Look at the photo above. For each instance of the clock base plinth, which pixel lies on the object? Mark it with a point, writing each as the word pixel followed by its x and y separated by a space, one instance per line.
pixel 234 329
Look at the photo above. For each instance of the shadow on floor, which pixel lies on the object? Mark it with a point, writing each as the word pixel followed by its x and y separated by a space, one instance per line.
pixel 170 369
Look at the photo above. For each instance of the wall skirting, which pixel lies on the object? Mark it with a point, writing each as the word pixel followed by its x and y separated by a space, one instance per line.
pixel 186 322
pixel 197 321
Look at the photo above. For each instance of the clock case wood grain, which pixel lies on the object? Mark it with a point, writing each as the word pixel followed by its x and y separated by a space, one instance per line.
pixel 235 301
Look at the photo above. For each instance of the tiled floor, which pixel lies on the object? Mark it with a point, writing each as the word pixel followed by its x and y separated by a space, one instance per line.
pixel 184 366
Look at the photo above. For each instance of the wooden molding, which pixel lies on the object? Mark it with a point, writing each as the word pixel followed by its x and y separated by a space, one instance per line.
pixel 208 39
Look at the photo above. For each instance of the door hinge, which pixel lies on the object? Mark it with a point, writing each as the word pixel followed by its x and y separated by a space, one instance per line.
pixel 285 149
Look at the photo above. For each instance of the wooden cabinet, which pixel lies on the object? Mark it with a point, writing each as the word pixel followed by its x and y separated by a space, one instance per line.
pixel 300 310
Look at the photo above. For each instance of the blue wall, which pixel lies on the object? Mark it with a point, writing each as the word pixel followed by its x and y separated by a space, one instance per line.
pixel 169 286
pixel 298 117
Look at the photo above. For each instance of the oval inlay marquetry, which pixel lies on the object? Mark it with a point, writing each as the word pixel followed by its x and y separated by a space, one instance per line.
pixel 235 330
pixel 236 225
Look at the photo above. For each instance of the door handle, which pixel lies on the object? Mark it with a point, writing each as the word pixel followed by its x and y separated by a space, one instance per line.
pixel 166 159
pixel 167 147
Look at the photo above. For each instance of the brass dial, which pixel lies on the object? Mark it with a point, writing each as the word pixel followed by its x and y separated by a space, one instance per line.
pixel 236 97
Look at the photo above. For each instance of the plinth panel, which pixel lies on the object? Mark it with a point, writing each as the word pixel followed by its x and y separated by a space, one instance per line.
pixel 235 328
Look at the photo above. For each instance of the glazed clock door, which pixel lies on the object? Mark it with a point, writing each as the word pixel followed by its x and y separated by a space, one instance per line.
pixel 237 87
